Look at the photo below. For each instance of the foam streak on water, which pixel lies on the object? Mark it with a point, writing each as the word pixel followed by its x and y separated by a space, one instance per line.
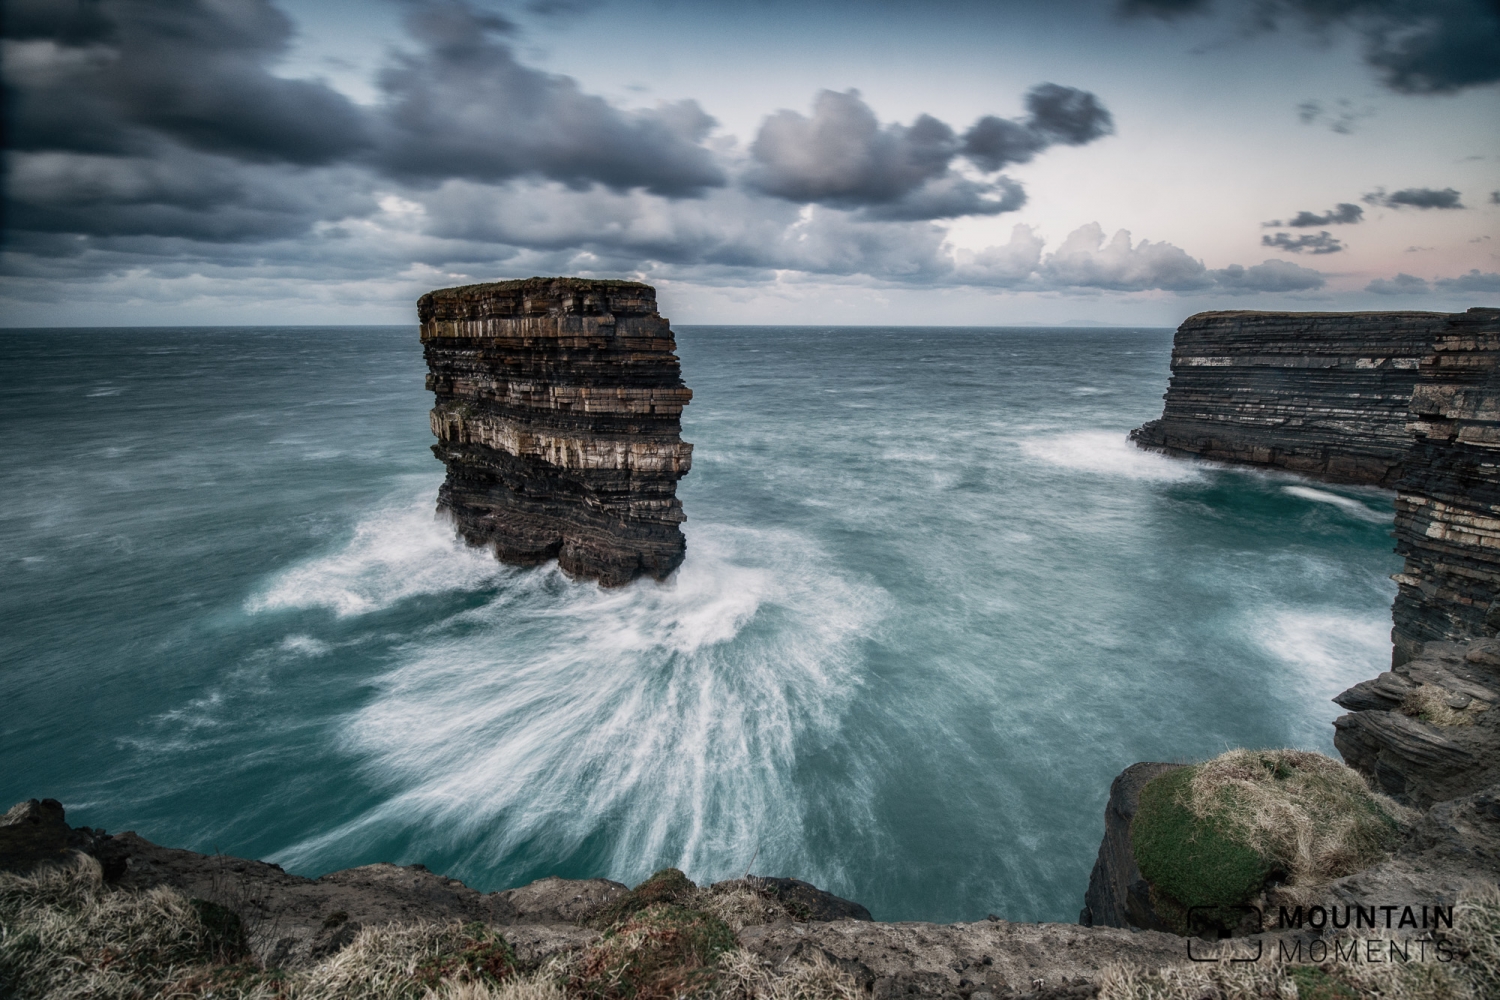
pixel 566 710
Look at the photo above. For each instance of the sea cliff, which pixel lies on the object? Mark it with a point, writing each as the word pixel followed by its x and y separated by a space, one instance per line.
pixel 1404 400
pixel 1322 394
pixel 558 414
pixel 1448 500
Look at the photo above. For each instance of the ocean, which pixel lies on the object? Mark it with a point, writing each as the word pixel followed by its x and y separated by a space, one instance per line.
pixel 933 603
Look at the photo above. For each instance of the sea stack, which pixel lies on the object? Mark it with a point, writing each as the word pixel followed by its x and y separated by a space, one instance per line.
pixel 559 418
pixel 1321 394
pixel 1448 500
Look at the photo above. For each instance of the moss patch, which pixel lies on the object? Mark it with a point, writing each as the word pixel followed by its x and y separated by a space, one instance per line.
pixel 1196 860
pixel 667 886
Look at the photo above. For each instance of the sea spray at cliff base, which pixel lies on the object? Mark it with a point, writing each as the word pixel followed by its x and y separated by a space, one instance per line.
pixel 933 602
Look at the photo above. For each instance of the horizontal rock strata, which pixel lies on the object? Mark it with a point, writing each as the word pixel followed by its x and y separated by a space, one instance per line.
pixel 1321 394
pixel 558 416
pixel 1448 500
pixel 1427 730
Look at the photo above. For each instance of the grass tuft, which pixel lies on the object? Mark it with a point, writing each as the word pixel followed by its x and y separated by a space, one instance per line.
pixel 667 886
pixel 1429 703
pixel 658 953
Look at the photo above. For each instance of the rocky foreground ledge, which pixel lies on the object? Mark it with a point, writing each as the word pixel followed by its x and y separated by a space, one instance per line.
pixel 782 925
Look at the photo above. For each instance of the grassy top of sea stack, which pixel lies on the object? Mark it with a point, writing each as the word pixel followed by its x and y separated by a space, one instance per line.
pixel 538 283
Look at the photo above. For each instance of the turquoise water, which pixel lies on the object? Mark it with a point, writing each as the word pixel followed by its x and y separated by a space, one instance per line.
pixel 932 604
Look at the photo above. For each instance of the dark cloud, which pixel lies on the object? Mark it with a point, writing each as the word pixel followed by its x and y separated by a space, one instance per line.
pixel 1067 115
pixel 1322 243
pixel 1341 214
pixel 462 106
pixel 131 118
pixel 1401 284
pixel 1268 276
pixel 843 157
pixel 1058 114
pixel 1474 281
pixel 117 76
pixel 176 192
pixel 1415 198
pixel 1416 46
pixel 1340 118
pixel 1495 197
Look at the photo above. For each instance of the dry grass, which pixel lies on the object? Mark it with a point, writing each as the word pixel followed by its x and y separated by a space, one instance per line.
pixel 1429 703
pixel 740 904
pixel 64 935
pixel 744 976
pixel 1311 816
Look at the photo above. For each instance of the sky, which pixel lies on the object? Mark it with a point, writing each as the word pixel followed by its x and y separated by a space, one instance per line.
pixel 943 162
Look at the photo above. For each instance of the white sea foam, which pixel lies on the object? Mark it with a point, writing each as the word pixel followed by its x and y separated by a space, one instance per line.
pixel 1347 504
pixel 669 716
pixel 1328 652
pixel 303 645
pixel 396 553
pixel 1107 453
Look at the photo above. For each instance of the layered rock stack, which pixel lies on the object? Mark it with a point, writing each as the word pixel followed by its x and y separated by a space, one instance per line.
pixel 558 415
pixel 1448 501
pixel 1322 394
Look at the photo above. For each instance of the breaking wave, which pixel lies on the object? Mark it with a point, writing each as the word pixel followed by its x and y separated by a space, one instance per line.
pixel 1107 453
pixel 665 719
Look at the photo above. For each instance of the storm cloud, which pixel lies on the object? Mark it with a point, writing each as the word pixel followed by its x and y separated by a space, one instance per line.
pixel 1415 46
pixel 843 157
pixel 1415 198
pixel 462 106
pixel 128 117
pixel 1322 243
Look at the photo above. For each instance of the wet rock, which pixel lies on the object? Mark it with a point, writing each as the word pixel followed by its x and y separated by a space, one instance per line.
pixel 1117 894
pixel 558 415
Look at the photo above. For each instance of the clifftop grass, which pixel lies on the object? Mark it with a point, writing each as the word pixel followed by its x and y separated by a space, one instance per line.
pixel 1216 833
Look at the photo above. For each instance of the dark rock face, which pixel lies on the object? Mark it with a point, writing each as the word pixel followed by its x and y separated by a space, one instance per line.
pixel 558 415
pixel 1118 896
pixel 1429 730
pixel 1455 846
pixel 1448 501
pixel 1321 394
pixel 808 901
pixel 35 833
